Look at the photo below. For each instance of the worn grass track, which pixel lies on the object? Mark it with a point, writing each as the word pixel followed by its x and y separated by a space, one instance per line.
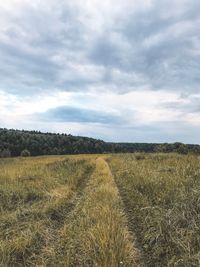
pixel 62 211
pixel 67 211
pixel 96 233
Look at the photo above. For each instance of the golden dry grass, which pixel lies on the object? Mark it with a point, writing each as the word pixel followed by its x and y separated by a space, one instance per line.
pixel 62 211
pixel 36 195
pixel 96 233
pixel 68 211
pixel 161 193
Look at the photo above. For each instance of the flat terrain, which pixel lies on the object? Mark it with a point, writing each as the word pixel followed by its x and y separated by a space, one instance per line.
pixel 100 210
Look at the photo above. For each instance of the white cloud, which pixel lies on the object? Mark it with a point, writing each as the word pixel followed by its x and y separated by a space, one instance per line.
pixel 11 105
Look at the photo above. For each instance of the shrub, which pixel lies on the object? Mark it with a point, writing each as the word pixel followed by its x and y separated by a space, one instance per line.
pixel 5 153
pixel 25 153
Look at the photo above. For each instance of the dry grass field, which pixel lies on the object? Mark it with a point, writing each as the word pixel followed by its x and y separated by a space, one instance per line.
pixel 100 211
pixel 161 193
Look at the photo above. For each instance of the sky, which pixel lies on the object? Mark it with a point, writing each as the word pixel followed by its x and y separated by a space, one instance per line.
pixel 117 70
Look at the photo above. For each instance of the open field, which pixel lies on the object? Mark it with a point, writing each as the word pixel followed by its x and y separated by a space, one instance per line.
pixel 100 210
pixel 161 194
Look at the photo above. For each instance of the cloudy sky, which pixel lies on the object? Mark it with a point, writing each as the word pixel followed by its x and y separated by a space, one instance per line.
pixel 119 70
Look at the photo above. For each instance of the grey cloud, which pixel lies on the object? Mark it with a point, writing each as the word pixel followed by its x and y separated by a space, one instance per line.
pixel 46 46
pixel 81 115
pixel 36 35
pixel 189 104
pixel 33 37
pixel 166 63
pixel 106 52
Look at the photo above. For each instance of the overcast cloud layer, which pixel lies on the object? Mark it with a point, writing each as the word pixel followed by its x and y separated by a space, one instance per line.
pixel 120 70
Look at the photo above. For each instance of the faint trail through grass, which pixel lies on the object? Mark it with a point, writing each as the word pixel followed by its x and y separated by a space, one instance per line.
pixel 161 196
pixel 96 233
pixel 43 195
pixel 67 211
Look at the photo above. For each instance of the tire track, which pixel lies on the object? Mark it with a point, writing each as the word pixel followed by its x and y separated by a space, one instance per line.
pixel 124 195
pixel 96 233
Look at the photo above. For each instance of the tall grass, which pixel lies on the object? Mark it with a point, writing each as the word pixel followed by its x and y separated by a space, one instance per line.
pixel 96 233
pixel 68 211
pixel 36 194
pixel 162 198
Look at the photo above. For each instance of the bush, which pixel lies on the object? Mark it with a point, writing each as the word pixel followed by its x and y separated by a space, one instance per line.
pixel 5 153
pixel 25 153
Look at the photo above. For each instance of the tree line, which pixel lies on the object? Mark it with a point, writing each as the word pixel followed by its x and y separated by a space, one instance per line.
pixel 34 143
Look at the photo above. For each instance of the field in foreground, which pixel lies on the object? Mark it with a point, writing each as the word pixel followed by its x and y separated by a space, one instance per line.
pixel 104 211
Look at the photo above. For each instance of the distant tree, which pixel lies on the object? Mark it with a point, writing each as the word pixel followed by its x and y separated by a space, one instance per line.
pixel 182 149
pixel 25 153
pixel 5 153
pixel 55 151
pixel 13 142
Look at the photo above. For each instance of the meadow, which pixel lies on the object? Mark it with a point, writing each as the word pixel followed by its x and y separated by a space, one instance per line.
pixel 100 210
pixel 161 193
